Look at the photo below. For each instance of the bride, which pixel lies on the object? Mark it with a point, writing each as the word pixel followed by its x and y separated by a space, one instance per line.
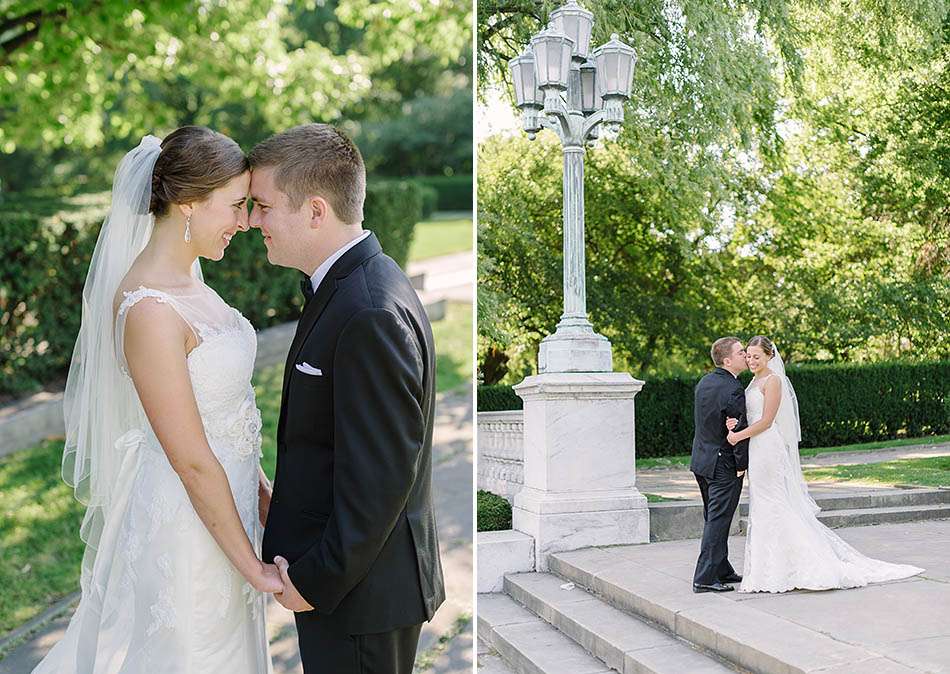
pixel 787 547
pixel 162 429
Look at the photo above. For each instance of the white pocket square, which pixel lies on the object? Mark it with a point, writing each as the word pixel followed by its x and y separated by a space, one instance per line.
pixel 306 368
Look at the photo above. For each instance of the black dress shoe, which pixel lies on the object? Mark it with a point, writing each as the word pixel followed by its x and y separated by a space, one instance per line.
pixel 731 578
pixel 715 587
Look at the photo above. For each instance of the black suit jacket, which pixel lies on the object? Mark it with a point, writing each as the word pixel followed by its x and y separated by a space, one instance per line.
pixel 717 396
pixel 352 503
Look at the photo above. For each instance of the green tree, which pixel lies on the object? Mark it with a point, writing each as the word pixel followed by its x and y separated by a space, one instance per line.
pixel 782 170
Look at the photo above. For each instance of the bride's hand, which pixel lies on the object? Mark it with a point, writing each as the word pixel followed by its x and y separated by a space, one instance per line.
pixel 732 438
pixel 731 423
pixel 267 580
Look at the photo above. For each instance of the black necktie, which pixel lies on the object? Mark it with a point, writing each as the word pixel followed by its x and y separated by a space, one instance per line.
pixel 306 286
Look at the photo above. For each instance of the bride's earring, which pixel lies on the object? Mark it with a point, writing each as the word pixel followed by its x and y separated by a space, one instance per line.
pixel 188 229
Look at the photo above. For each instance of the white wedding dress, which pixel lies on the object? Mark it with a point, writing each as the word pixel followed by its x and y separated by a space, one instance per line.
pixel 161 597
pixel 787 547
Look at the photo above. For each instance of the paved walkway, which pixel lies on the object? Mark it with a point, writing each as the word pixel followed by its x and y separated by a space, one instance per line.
pixel 679 483
pixel 448 277
pixel 453 623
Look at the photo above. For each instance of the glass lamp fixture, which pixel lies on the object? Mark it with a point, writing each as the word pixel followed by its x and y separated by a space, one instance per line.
pixel 590 97
pixel 615 61
pixel 552 58
pixel 576 22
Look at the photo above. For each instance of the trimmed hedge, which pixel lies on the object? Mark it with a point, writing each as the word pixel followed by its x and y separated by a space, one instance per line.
pixel 494 512
pixel 430 200
pixel 454 192
pixel 840 404
pixel 46 244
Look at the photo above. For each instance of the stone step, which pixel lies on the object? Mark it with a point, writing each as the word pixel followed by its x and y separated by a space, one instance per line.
pixel 527 644
pixel 488 661
pixel 674 521
pixel 733 630
pixel 623 642
pixel 492 664
pixel 877 498
pixel 862 517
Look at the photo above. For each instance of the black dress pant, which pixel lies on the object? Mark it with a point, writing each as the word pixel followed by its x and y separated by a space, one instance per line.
pixel 327 649
pixel 720 499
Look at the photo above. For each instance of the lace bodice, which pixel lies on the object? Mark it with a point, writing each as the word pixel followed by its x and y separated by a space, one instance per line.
pixel 221 365
pixel 754 401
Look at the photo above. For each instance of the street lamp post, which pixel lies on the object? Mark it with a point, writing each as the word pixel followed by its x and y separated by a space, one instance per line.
pixel 579 443
pixel 560 85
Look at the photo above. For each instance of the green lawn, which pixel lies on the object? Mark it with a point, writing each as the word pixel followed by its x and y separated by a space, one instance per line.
pixel 656 498
pixel 40 549
pixel 453 347
pixel 440 237
pixel 682 460
pixel 928 472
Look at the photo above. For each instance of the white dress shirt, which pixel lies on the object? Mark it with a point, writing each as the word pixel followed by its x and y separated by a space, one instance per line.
pixel 325 266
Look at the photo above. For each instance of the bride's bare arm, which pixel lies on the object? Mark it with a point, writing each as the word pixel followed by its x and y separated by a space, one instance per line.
pixel 155 343
pixel 772 389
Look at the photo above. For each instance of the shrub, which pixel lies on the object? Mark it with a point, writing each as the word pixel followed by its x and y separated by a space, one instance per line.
pixel 498 397
pixel 46 244
pixel 430 200
pixel 839 404
pixel 454 192
pixel 494 512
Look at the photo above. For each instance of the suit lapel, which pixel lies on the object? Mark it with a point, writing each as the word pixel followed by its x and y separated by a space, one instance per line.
pixel 316 305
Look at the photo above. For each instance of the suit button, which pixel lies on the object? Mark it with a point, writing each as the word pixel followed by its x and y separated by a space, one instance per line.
pixel 720 453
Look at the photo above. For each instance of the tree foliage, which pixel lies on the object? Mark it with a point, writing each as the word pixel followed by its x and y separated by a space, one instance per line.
pixel 95 75
pixel 782 170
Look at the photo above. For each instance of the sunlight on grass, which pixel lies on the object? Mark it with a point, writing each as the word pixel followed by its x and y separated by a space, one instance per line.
pixel 440 237
pixel 927 472
pixel 682 460
pixel 453 347
pixel 40 548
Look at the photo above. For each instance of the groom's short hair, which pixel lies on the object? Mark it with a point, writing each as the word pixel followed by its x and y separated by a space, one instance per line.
pixel 722 349
pixel 316 160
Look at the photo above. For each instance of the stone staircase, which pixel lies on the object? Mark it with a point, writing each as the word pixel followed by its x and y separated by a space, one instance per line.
pixel 539 627
pixel 891 506
pixel 842 506
pixel 631 609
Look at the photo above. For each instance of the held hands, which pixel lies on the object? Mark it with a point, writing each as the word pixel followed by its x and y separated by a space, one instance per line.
pixel 267 579
pixel 731 423
pixel 733 437
pixel 290 599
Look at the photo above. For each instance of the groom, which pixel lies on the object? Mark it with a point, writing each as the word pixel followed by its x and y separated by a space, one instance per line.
pixel 719 466
pixel 350 523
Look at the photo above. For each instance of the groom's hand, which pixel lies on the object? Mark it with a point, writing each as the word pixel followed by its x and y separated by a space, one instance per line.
pixel 290 599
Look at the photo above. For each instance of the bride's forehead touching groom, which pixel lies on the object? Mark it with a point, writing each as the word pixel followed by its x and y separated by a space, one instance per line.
pixel 350 524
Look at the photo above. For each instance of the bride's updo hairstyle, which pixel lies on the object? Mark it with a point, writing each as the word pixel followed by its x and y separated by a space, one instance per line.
pixel 194 162
pixel 763 343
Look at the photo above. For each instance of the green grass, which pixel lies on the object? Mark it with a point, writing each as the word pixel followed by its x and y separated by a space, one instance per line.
pixel 682 460
pixel 928 472
pixel 453 347
pixel 440 237
pixel 656 498
pixel 881 444
pixel 40 549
